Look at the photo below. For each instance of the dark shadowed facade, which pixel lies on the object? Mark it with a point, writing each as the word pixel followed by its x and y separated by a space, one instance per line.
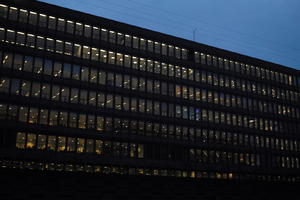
pixel 94 106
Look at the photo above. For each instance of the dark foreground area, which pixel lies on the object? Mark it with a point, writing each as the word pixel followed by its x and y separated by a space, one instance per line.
pixel 26 184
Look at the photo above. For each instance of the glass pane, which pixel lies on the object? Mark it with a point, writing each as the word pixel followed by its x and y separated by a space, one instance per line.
pixel 61 144
pixel 20 140
pixel 51 143
pixel 41 142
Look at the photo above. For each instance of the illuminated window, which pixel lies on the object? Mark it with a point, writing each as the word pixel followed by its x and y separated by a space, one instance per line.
pixel 82 121
pixel 150 66
pixel 132 150
pixel 99 147
pixel 61 144
pixel 20 140
pixel 41 142
pixel 80 145
pixel 71 144
pixel 135 62
pixel 140 151
pixel 51 143
pixel 4 85
pixel 127 61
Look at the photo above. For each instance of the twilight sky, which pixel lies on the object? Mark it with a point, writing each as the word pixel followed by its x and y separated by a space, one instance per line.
pixel 264 29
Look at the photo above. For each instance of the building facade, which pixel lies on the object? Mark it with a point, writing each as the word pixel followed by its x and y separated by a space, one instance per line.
pixel 80 93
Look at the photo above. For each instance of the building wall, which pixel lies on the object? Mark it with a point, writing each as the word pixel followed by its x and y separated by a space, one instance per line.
pixel 83 93
pixel 58 185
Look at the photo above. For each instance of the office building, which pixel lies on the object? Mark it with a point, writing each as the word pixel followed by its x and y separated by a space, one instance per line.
pixel 80 93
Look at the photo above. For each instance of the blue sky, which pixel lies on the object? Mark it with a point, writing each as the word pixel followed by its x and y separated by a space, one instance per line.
pixel 264 29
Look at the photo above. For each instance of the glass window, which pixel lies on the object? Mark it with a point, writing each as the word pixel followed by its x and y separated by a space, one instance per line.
pixel 73 120
pixel 30 42
pixel 28 62
pixel 68 48
pixel 41 142
pixel 52 22
pixel 84 73
pixel 149 45
pixel 31 141
pixel 135 62
pixel 71 144
pixel 103 55
pixel 119 60
pixel 95 54
pixel 53 118
pixel 43 117
pixel 149 65
pixel 42 20
pixel 96 33
pixel 61 24
pixel 74 95
pixel 32 18
pixel 15 86
pixel 89 145
pixel 104 34
pixel 13 13
pixel 93 75
pixel 78 28
pixel 18 62
pixel 48 67
pixel 178 72
pixel 135 42
pixel 55 93
pixel 2 34
pixel 142 44
pixel 164 49
pixel 50 45
pixel 87 31
pixel 82 121
pixel 25 88
pixel 128 40
pixel 157 47
pixel 83 97
pixel 40 43
pixel 120 39
pixel 86 52
pixel 13 112
pixel 20 38
pixel 76 72
pixel 3 11
pixel 171 50
pixel 99 147
pixel 127 61
pixel 51 143
pixel 157 67
pixel 177 52
pixel 70 27
pixel 111 57
pixel 7 60
pixel 10 36
pixel 20 140
pixel 4 85
pixel 61 143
